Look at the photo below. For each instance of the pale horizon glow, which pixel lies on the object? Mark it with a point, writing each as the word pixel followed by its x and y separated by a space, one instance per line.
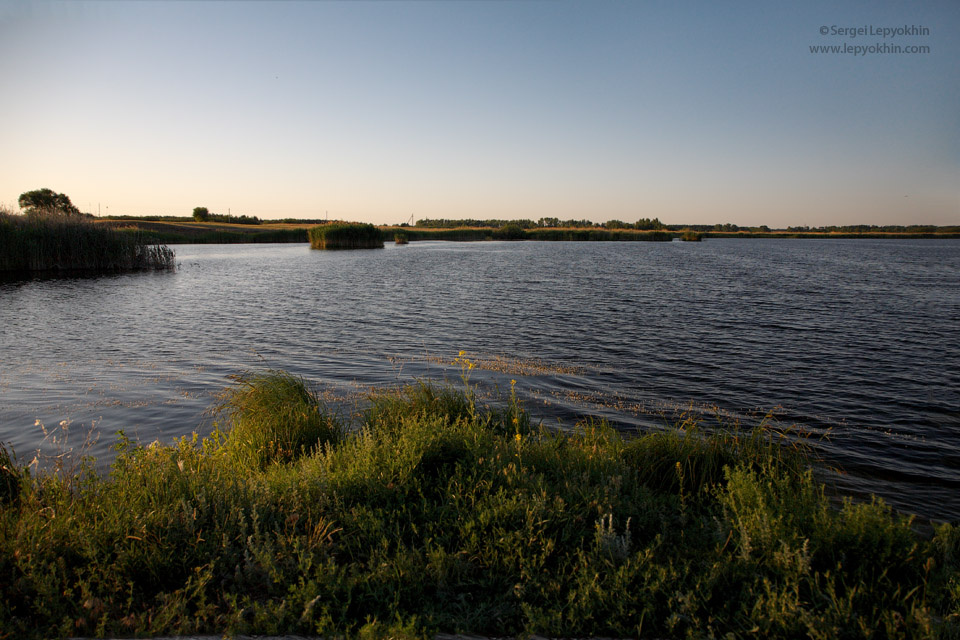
pixel 694 113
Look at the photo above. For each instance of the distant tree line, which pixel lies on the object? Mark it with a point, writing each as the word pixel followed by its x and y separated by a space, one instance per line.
pixel 722 228
pixel 202 214
pixel 644 224
pixel 872 228
pixel 301 221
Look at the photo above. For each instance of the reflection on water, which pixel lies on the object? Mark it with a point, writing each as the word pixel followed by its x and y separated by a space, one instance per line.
pixel 852 337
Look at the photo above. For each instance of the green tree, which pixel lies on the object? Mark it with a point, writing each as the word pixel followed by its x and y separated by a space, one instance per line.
pixel 201 214
pixel 646 224
pixel 47 201
pixel 511 231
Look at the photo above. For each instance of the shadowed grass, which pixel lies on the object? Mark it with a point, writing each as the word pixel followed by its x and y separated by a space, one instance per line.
pixel 55 243
pixel 438 515
pixel 11 478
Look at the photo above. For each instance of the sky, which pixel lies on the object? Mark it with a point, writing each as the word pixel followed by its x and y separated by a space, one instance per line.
pixel 692 112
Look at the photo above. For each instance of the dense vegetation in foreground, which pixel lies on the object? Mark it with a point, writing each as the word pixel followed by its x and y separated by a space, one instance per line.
pixel 439 515
pixel 52 242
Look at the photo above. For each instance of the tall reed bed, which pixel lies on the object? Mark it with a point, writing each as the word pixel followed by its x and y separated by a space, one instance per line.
pixel 346 236
pixel 55 243
pixel 436 514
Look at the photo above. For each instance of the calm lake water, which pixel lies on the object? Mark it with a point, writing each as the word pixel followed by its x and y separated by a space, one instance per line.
pixel 855 339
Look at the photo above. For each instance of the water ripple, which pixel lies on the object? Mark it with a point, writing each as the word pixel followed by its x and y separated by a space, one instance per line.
pixel 855 340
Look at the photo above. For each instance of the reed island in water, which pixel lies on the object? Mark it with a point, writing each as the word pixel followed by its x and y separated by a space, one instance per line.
pixel 346 236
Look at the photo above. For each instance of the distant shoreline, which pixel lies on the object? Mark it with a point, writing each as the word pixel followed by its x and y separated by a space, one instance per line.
pixel 184 232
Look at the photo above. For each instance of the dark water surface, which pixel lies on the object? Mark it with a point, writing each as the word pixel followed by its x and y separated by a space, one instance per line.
pixel 859 339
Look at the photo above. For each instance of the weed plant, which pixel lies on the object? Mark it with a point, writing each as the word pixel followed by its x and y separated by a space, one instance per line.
pixel 273 417
pixel 56 243
pixel 439 515
pixel 346 236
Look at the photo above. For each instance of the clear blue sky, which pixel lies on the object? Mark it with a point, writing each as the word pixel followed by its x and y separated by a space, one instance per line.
pixel 696 112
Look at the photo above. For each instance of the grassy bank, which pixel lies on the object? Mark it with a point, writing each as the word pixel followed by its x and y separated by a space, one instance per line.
pixel 438 515
pixel 55 244
pixel 346 236
pixel 187 232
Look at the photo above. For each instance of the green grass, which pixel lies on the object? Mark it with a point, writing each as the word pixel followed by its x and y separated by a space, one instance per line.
pixel 436 514
pixel 346 236
pixel 53 243
pixel 273 417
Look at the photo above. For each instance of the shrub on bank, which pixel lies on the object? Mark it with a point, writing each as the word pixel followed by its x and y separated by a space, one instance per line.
pixel 346 236
pixel 57 243
pixel 438 515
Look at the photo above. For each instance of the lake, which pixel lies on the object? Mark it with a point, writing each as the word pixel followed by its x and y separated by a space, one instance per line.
pixel 856 342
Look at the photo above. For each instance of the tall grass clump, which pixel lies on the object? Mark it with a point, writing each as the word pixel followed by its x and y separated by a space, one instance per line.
pixel 11 477
pixel 346 236
pixel 42 242
pixel 439 515
pixel 273 417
